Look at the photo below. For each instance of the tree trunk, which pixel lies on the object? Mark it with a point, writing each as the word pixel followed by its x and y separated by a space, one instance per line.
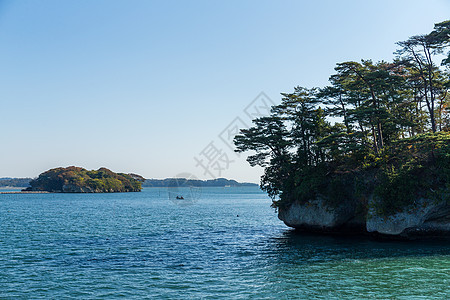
pixel 375 143
pixel 430 83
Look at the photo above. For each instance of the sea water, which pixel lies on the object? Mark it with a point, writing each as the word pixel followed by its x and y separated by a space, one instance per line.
pixel 221 243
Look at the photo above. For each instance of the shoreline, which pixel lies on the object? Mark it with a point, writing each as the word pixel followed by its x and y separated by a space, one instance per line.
pixel 29 192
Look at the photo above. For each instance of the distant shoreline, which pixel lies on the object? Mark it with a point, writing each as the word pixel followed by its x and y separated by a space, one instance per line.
pixel 12 187
pixel 28 192
pixel 15 183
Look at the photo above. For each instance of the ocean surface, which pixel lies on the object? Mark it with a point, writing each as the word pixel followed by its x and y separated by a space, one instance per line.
pixel 217 243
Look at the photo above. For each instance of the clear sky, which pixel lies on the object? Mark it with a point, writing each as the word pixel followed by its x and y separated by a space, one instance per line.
pixel 146 86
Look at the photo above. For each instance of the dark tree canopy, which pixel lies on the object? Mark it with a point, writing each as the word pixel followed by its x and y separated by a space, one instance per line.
pixel 357 121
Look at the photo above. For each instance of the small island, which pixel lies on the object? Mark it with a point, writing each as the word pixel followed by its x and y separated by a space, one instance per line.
pixel 369 153
pixel 79 180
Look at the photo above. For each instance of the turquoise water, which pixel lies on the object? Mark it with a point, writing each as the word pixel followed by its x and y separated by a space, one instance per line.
pixel 228 243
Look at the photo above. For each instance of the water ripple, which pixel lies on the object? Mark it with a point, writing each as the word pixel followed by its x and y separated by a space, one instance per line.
pixel 141 245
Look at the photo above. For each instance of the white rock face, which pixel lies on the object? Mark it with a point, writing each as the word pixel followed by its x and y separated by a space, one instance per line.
pixel 424 216
pixel 315 214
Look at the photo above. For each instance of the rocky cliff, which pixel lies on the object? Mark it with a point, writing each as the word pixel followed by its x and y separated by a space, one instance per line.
pixel 317 216
pixel 423 218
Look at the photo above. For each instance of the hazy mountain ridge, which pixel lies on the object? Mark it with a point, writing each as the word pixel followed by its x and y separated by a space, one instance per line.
pixel 15 182
pixel 172 182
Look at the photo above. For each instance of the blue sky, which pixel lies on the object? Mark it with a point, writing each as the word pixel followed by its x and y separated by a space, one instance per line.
pixel 146 86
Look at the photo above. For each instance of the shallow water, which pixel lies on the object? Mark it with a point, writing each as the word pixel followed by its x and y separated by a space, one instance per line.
pixel 219 243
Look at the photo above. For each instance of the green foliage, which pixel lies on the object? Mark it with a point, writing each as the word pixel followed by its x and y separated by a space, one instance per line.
pixel 378 128
pixel 415 168
pixel 397 188
pixel 75 179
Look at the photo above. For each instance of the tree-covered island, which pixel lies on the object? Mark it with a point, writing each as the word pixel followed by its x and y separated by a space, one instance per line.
pixel 79 180
pixel 368 153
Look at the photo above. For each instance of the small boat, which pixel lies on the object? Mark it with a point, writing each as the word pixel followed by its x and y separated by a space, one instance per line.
pixel 179 198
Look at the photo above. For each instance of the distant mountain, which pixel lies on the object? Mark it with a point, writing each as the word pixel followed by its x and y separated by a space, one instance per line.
pixel 15 182
pixel 175 182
